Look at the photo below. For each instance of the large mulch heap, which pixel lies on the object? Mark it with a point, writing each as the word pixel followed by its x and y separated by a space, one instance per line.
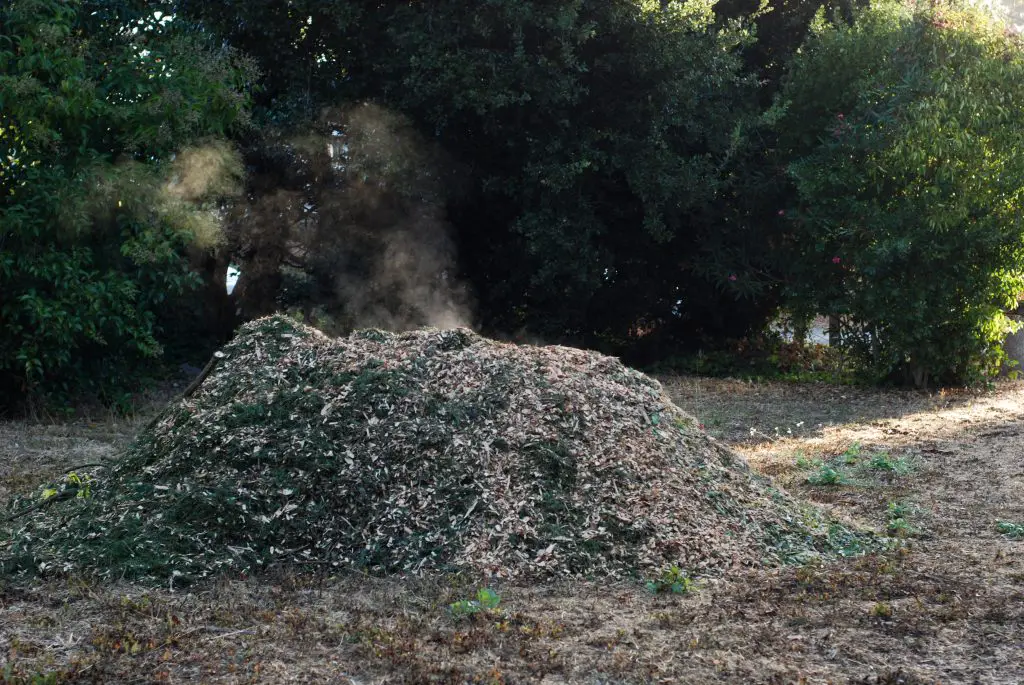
pixel 429 450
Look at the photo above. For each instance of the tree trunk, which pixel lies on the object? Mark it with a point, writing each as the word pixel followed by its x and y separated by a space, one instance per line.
pixel 834 336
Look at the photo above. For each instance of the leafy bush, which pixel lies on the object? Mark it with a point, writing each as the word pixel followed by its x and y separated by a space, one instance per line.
pixel 93 233
pixel 900 135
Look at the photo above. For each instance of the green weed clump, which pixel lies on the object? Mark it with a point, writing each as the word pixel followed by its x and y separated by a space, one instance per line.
pixel 1014 531
pixel 886 462
pixel 826 475
pixel 898 519
pixel 855 467
pixel 674 580
pixel 485 601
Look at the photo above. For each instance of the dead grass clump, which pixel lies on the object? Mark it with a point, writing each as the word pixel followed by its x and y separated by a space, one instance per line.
pixel 428 450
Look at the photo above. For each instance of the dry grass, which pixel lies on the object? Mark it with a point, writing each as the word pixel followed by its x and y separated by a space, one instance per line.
pixel 32 453
pixel 947 607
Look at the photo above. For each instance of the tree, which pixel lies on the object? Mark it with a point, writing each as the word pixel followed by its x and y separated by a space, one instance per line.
pixel 901 135
pixel 781 27
pixel 591 139
pixel 94 102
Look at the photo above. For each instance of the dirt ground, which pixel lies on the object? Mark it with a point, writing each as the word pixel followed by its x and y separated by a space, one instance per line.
pixel 939 472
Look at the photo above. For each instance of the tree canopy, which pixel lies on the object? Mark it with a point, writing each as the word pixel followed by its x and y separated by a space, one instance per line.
pixel 92 109
pixel 902 136
pixel 637 176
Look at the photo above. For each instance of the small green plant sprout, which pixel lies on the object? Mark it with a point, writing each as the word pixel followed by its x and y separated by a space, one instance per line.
pixel 898 509
pixel 899 527
pixel 826 475
pixel 486 600
pixel 883 461
pixel 674 580
pixel 882 610
pixel 898 515
pixel 1014 531
pixel 852 453
pixel 804 462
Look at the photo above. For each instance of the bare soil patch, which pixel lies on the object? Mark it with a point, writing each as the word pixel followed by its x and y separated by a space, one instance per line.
pixel 947 606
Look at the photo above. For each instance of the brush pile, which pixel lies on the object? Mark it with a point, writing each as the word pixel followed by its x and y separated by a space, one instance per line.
pixel 429 450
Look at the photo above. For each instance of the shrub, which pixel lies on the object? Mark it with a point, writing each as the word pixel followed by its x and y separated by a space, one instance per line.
pixel 900 135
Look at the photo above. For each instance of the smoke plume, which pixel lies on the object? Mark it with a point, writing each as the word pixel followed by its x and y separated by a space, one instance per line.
pixel 400 269
pixel 363 240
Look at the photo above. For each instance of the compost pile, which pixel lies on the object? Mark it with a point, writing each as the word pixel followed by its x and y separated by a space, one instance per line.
pixel 428 450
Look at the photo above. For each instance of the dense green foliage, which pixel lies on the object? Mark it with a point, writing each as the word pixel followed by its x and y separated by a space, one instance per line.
pixel 782 27
pixel 607 174
pixel 598 147
pixel 903 137
pixel 592 139
pixel 92 107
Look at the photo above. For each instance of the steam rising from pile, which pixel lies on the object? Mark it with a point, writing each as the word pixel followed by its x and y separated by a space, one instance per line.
pixel 206 171
pixel 358 217
pixel 392 205
pixel 202 175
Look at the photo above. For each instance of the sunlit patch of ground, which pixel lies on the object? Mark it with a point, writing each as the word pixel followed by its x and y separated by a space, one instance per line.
pixel 946 605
